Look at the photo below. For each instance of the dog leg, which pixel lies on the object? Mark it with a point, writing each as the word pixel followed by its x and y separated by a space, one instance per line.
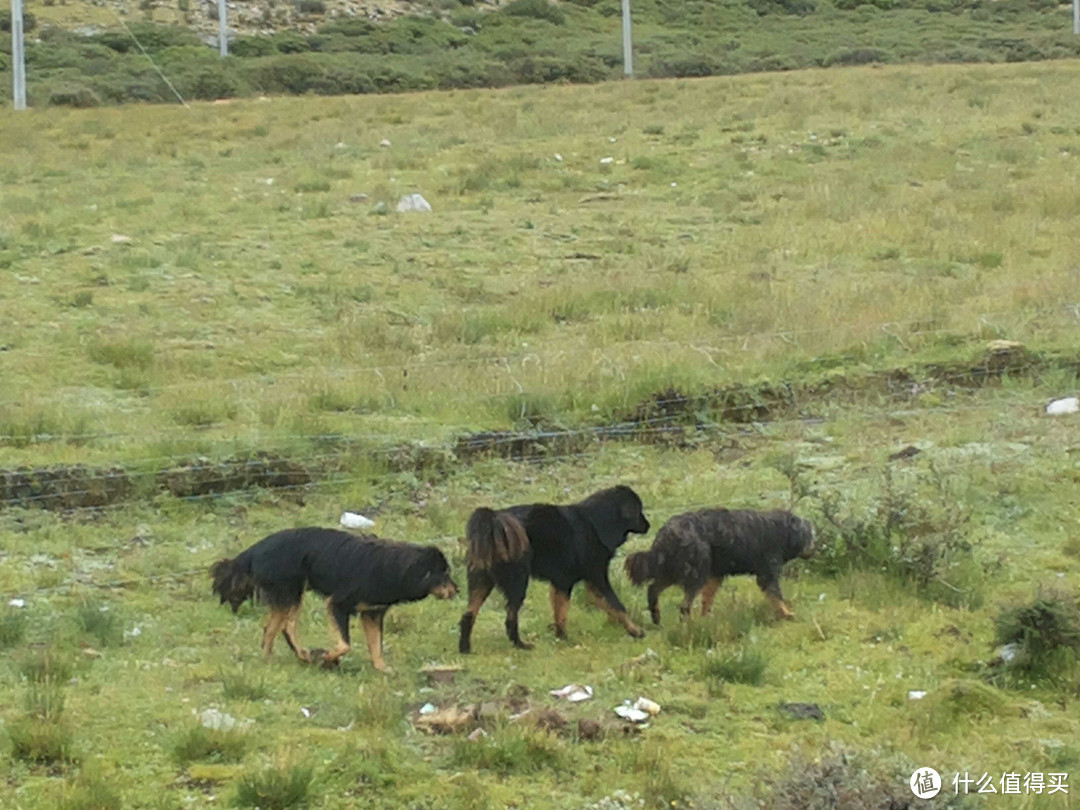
pixel 292 638
pixel 339 628
pixel 689 595
pixel 780 606
pixel 515 597
pixel 771 587
pixel 278 617
pixel 708 593
pixel 478 594
pixel 560 607
pixel 372 622
pixel 655 589
pixel 613 607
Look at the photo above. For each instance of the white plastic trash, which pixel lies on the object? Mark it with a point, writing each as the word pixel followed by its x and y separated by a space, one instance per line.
pixel 575 693
pixel 1066 405
pixel 648 706
pixel 352 520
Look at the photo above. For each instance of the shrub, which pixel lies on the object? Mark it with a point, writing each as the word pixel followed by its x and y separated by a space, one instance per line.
pixel 99 621
pixel 311 6
pixel 745 664
pixel 275 788
pixel 537 9
pixel 199 744
pixel 511 750
pixel 29 21
pixel 252 46
pixel 798 8
pixel 1046 635
pixel 91 792
pixel 855 56
pixel 916 533
pixel 239 685
pixel 42 742
pixel 12 627
pixel 843 778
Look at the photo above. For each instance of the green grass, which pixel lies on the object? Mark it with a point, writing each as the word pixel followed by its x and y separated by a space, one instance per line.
pixel 818 291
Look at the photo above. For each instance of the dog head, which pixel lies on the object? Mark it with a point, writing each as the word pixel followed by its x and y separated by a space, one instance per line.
pixel 436 579
pixel 615 513
pixel 802 538
pixel 631 510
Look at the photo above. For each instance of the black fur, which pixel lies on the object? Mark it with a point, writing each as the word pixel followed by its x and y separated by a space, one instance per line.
pixel 357 573
pixel 696 550
pixel 563 545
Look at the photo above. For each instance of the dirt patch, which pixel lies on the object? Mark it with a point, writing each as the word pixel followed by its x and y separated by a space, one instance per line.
pixel 64 487
pixel 205 477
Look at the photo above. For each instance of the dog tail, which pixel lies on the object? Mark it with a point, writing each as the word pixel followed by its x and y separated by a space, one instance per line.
pixel 494 537
pixel 233 580
pixel 641 567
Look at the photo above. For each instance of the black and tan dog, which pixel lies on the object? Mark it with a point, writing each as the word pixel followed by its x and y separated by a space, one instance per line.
pixel 357 574
pixel 560 544
pixel 698 549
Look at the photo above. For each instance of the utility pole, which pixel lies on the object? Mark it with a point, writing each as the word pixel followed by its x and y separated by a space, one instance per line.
pixel 627 50
pixel 18 58
pixel 223 40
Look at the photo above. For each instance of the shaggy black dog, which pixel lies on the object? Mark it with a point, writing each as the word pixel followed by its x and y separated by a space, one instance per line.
pixel 560 544
pixel 357 574
pixel 698 549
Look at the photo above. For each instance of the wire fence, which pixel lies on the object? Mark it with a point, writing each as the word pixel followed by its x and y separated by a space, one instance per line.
pixel 982 320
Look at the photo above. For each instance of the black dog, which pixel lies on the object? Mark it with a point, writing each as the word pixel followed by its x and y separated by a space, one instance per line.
pixel 561 544
pixel 698 549
pixel 357 574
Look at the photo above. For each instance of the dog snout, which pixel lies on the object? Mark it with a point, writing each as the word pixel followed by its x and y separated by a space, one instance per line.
pixel 446 590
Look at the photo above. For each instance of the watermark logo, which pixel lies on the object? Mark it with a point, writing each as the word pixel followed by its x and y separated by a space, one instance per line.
pixel 925 783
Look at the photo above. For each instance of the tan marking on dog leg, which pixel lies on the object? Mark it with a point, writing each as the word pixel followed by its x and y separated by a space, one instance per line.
pixel 272 628
pixel 293 637
pixel 373 634
pixel 560 609
pixel 780 606
pixel 708 593
pixel 618 616
pixel 340 645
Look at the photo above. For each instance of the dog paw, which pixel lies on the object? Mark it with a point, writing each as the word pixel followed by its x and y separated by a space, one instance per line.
pixel 635 631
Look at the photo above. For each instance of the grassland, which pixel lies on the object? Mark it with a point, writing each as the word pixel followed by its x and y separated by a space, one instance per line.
pixel 778 281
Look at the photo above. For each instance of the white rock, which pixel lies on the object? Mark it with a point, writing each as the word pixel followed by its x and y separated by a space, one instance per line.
pixel 427 708
pixel 605 161
pixel 352 520
pixel 558 157
pixel 413 202
pixel 384 142
pixel 17 603
pixel 120 239
pixel 573 692
pixel 1066 405
pixel 916 694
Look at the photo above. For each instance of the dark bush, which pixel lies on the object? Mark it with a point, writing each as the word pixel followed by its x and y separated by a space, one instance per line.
pixel 536 9
pixel 855 56
pixel 543 69
pixel 798 8
pixel 29 20
pixel 916 532
pixel 688 66
pixel 1046 635
pixel 311 6
pixel 73 95
pixel 152 37
pixel 252 46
